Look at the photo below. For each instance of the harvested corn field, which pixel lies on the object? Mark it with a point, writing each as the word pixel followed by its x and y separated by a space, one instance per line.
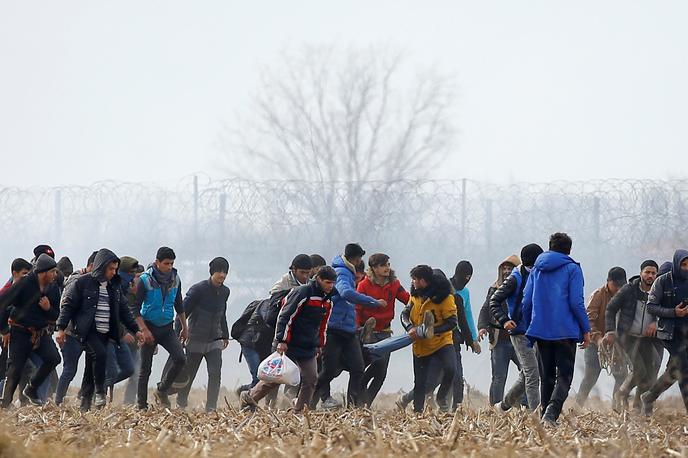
pixel 124 431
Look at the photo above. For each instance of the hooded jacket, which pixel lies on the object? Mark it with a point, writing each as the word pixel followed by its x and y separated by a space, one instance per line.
pixel 80 301
pixel 439 300
pixel 553 300
pixel 390 290
pixel 20 304
pixel 511 293
pixel 343 316
pixel 486 319
pixel 303 320
pixel 621 309
pixel 286 283
pixel 668 290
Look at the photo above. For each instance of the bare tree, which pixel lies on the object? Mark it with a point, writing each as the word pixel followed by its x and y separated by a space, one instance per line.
pixel 343 118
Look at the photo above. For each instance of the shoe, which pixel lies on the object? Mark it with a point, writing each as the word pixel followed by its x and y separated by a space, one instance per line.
pixel 619 402
pixel 427 329
pixel 331 403
pixel 548 422
pixel 162 398
pixel 142 406
pixel 367 330
pixel 85 404
pixel 32 395
pixel 100 400
pixel 647 402
pixel 400 403
pixel 501 407
pixel 246 402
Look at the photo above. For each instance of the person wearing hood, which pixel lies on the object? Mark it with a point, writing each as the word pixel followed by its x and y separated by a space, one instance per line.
pixel 511 320
pixel 27 309
pixel 431 294
pixel 343 348
pixel 596 310
pixel 95 306
pixel 501 350
pixel 668 301
pixel 71 347
pixel 205 305
pixel 555 318
pixel 158 297
pixel 628 321
pixel 380 282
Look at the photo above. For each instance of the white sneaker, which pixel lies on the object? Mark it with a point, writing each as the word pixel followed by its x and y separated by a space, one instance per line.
pixel 331 403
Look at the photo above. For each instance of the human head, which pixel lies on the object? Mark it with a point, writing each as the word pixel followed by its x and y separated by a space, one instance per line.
pixel 505 269
pixel 680 265
pixel 560 242
pixel 648 272
pixel 379 263
pixel 421 276
pixel 43 249
pixel 325 277
pixel 20 268
pixel 164 259
pixel 462 275
pixel 360 272
pixel 529 254
pixel 616 278
pixel 65 266
pixel 89 262
pixel 46 269
pixel 219 269
pixel 301 267
pixel 354 253
pixel 317 261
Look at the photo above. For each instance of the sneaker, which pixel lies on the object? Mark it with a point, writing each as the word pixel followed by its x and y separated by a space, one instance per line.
pixel 367 330
pixel 548 422
pixel 100 400
pixel 246 402
pixel 400 403
pixel 162 398
pixel 501 407
pixel 619 402
pixel 32 395
pixel 85 404
pixel 427 329
pixel 647 403
pixel 331 403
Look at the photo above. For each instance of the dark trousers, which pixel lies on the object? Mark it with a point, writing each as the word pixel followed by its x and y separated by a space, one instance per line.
pixel 19 352
pixel 96 364
pixel 556 361
pixel 444 358
pixel 375 372
pixel 167 339
pixel 677 367
pixel 342 352
pixel 213 361
pixel 645 354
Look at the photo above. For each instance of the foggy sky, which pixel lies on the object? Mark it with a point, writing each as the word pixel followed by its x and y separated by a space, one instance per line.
pixel 139 90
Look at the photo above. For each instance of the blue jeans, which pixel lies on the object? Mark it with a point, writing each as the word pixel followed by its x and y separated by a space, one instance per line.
pixel 71 352
pixel 44 388
pixel 120 363
pixel 252 361
pixel 500 356
pixel 387 346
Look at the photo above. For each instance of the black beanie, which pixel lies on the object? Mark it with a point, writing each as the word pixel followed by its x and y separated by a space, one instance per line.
pixel 65 266
pixel 219 264
pixel 529 254
pixel 43 249
pixel 165 252
pixel 649 263
pixel 302 261
pixel 44 263
pixel 463 269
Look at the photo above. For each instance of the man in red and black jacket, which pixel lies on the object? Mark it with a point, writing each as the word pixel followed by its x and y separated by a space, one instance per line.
pixel 300 334
pixel 380 282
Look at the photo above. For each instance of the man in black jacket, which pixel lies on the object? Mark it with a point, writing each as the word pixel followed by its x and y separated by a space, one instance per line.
pixel 27 309
pixel 300 334
pixel 668 301
pixel 205 306
pixel 95 306
pixel 628 319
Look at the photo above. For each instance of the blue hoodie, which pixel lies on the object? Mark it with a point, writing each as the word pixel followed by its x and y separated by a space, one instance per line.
pixel 553 300
pixel 343 316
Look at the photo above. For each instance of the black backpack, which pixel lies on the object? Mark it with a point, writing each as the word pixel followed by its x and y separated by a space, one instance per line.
pixel 241 324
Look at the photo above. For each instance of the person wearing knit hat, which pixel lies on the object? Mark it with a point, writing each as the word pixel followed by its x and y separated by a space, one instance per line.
pixel 27 309
pixel 596 309
pixel 628 321
pixel 511 319
pixel 158 287
pixel 205 306
pixel 43 249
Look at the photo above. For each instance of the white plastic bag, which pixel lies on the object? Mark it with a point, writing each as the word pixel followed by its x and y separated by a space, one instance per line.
pixel 280 369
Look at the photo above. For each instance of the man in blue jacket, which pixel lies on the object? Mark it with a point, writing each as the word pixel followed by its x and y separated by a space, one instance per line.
pixel 555 317
pixel 343 348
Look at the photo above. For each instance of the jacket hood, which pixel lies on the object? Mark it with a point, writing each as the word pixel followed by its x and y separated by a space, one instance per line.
pixel 513 260
pixel 286 283
pixel 340 261
pixel 103 258
pixel 438 290
pixel 380 281
pixel 664 268
pixel 552 260
pixel 679 255
pixel 634 280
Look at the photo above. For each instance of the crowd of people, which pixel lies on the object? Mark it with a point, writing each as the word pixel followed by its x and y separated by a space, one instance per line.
pixel 336 318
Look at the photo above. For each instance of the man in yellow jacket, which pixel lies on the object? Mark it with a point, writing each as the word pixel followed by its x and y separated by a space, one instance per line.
pixel 431 294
